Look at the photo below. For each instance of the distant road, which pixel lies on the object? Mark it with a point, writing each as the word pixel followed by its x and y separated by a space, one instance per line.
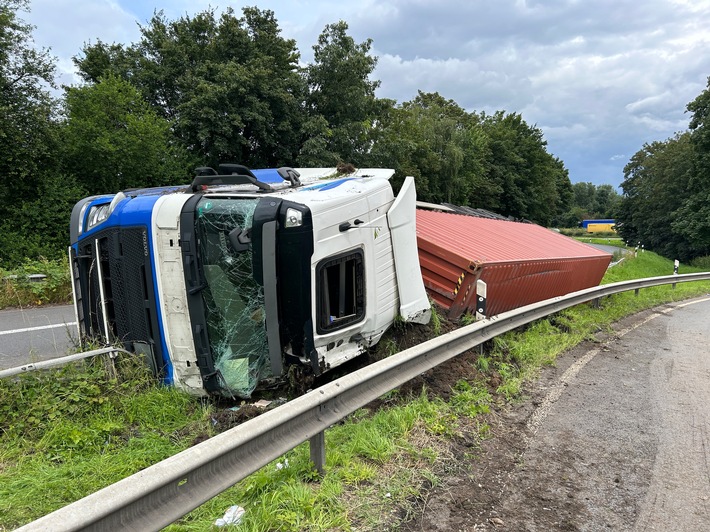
pixel 609 249
pixel 35 333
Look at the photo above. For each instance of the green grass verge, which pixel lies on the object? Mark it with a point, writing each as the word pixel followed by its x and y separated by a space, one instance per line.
pixel 608 241
pixel 16 289
pixel 67 433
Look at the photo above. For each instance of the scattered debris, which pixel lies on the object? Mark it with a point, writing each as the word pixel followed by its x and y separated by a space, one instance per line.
pixel 233 516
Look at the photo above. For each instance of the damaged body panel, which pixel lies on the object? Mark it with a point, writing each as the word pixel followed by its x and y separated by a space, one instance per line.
pixel 229 282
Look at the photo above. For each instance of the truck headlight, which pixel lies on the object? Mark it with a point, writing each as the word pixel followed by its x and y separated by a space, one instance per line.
pixel 97 214
pixel 294 218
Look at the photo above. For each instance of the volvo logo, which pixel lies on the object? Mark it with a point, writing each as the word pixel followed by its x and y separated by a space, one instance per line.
pixel 145 243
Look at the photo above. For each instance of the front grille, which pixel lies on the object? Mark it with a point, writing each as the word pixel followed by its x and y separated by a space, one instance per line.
pixel 127 282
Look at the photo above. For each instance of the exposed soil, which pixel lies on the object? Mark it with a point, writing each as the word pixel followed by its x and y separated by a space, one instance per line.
pixel 581 450
pixel 615 437
pixel 440 380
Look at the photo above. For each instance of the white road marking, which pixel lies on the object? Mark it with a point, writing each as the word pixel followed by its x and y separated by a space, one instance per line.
pixel 40 328
pixel 539 415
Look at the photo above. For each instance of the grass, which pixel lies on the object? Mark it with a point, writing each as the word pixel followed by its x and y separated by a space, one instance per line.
pixel 607 241
pixel 67 433
pixel 17 290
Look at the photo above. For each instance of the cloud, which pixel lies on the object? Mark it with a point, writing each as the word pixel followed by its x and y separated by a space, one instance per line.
pixel 64 26
pixel 598 77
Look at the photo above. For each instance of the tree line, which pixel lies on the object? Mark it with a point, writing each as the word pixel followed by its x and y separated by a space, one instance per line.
pixel 666 190
pixel 212 88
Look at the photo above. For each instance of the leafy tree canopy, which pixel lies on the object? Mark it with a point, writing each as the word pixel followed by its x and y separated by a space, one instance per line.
pixel 535 184
pixel 666 201
pixel 341 95
pixel 114 140
pixel 26 126
pixel 27 145
pixel 230 86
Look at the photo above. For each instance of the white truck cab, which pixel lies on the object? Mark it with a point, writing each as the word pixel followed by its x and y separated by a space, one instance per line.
pixel 245 273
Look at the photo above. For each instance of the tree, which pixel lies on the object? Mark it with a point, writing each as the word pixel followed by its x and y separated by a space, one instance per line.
pixel 534 184
pixel 113 140
pixel 441 145
pixel 26 127
pixel 693 218
pixel 606 202
pixel 590 201
pixel 655 183
pixel 341 92
pixel 27 131
pixel 230 86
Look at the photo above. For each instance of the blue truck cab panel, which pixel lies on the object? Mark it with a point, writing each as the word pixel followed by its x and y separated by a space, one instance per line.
pixel 224 284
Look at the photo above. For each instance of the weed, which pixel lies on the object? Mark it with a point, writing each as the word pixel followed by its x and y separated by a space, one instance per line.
pixel 17 289
pixel 466 319
pixel 470 399
pixel 435 320
pixel 390 347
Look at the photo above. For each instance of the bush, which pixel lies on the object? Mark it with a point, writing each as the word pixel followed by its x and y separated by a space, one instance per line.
pixel 17 290
pixel 701 262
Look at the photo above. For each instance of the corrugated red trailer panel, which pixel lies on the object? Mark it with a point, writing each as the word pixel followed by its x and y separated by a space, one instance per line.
pixel 520 263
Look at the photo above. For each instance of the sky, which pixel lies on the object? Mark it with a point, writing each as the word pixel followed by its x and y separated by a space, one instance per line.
pixel 599 78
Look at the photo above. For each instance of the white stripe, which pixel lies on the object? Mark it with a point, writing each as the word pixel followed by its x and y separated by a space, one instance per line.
pixel 29 329
pixel 540 413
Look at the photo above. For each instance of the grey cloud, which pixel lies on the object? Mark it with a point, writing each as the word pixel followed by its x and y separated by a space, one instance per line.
pixel 598 77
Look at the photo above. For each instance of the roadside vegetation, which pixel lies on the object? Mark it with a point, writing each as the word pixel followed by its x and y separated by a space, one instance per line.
pixel 148 112
pixel 69 432
pixel 18 287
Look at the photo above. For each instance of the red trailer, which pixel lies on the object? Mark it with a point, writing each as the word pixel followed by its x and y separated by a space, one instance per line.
pixel 521 263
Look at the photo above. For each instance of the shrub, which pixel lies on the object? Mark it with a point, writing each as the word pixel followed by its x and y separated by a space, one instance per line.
pixel 18 290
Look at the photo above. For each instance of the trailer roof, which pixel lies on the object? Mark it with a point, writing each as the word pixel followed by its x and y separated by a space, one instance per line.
pixel 484 240
pixel 521 263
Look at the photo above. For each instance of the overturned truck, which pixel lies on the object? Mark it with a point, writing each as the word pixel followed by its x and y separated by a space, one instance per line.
pixel 244 274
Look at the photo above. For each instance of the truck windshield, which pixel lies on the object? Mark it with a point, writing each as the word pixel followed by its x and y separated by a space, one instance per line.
pixel 233 301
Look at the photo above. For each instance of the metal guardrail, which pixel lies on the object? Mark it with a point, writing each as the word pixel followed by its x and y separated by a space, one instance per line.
pixel 60 361
pixel 160 494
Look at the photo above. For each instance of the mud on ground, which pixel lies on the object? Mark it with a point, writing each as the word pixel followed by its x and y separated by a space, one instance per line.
pixel 593 476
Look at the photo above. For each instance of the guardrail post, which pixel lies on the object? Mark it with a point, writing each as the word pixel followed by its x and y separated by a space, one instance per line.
pixel 636 292
pixel 317 445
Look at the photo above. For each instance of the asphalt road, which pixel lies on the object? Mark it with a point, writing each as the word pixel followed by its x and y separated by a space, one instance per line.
pixel 609 249
pixel 615 437
pixel 35 333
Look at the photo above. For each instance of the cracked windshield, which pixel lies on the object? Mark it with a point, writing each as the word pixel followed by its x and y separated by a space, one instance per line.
pixel 233 301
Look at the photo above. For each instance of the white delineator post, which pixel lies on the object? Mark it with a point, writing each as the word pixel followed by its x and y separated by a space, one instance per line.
pixel 481 297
